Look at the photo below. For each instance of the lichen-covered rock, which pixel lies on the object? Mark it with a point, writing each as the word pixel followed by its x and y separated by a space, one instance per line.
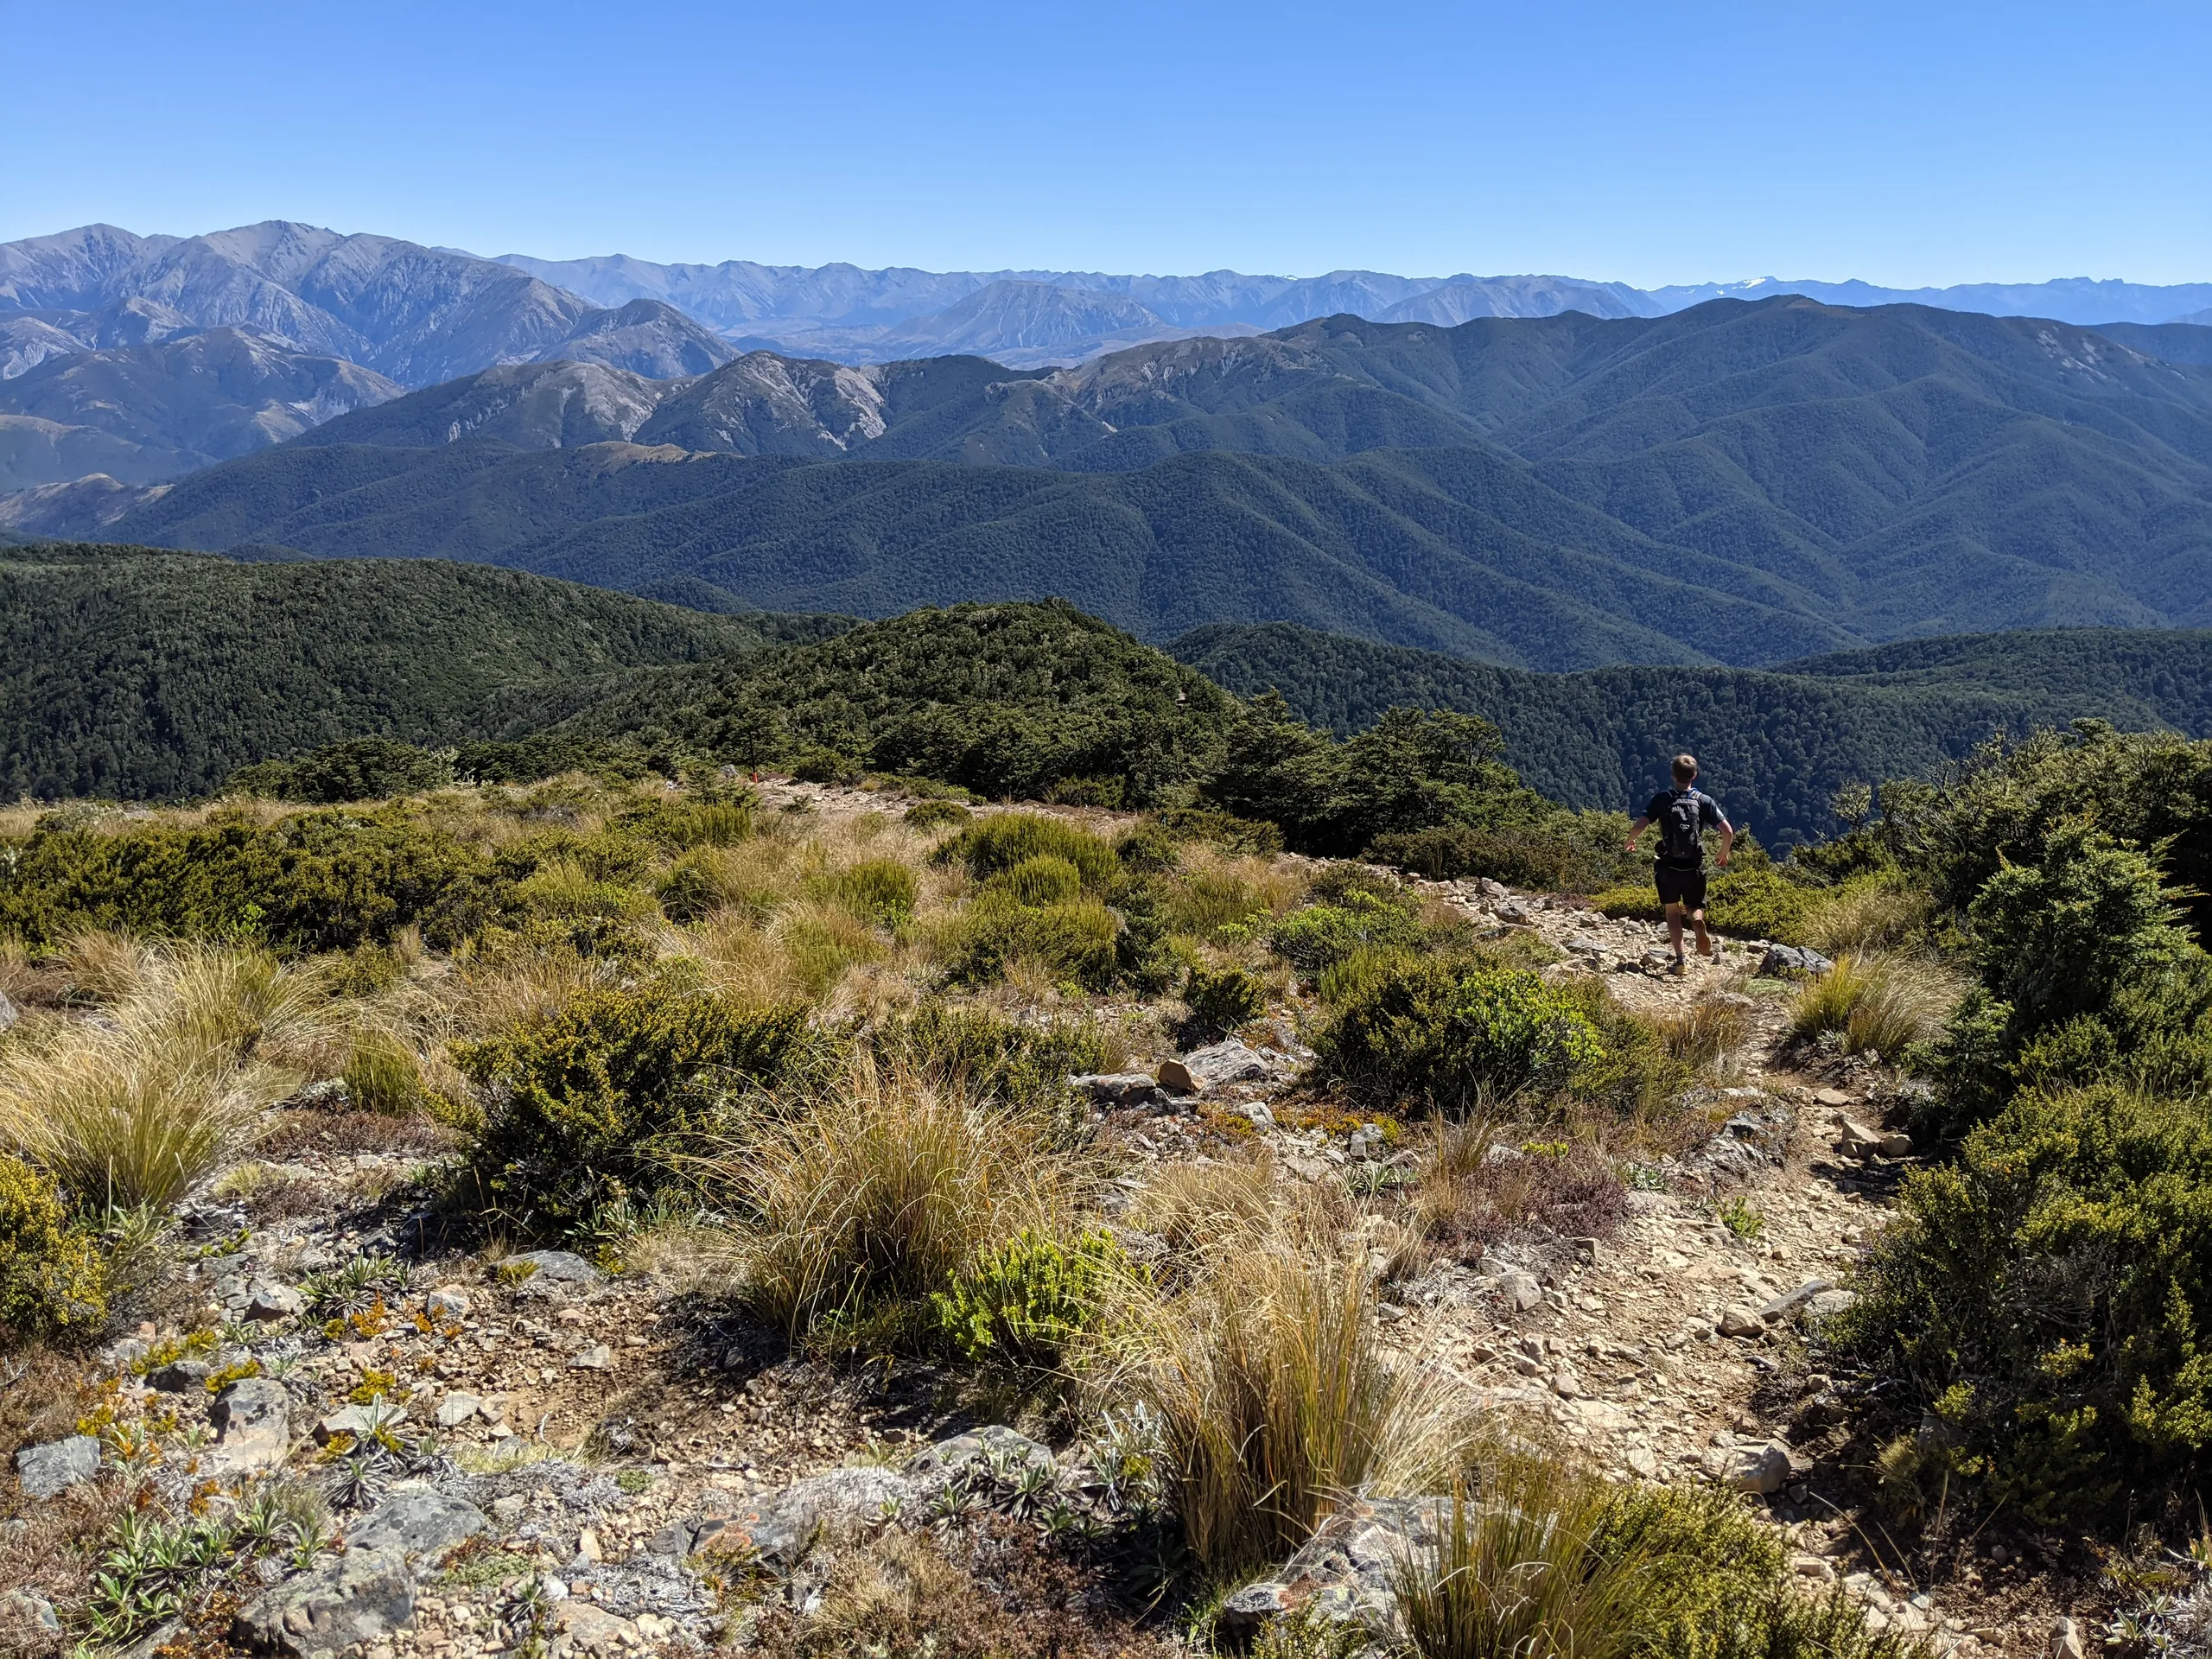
pixel 253 1418
pixel 45 1470
pixel 779 1529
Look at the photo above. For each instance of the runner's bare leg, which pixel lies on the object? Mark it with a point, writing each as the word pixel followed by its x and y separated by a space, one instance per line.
pixel 1704 939
pixel 1675 928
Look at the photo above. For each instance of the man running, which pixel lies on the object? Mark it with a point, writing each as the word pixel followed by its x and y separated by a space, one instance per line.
pixel 1683 815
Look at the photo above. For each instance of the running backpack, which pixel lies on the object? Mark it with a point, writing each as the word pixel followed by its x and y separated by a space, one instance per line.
pixel 1681 828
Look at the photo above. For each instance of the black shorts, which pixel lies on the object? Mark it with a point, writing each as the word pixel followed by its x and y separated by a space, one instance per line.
pixel 1680 886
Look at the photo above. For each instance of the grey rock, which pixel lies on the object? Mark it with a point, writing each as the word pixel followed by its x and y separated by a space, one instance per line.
pixel 1513 914
pixel 1896 1143
pixel 1347 1571
pixel 1781 960
pixel 1520 1291
pixel 420 1525
pixel 360 1597
pixel 34 1607
pixel 457 1408
pixel 1828 1303
pixel 179 1375
pixel 1763 1470
pixel 7 1018
pixel 597 1357
pixel 253 1419
pixel 552 1268
pixel 1740 1322
pixel 965 1456
pixel 2066 1640
pixel 1212 1067
pixel 269 1302
pixel 56 1466
pixel 447 1302
pixel 1787 1305
pixel 780 1529
pixel 1119 1088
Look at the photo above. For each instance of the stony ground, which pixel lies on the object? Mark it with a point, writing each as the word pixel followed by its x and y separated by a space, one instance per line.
pixel 620 1466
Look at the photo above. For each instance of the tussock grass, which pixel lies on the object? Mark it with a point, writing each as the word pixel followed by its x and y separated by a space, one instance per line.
pixel 1275 1398
pixel 1481 1181
pixel 1704 1035
pixel 137 1108
pixel 1866 916
pixel 866 1197
pixel 1878 1004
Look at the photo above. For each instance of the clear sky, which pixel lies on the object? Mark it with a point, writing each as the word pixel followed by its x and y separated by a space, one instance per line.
pixel 1938 142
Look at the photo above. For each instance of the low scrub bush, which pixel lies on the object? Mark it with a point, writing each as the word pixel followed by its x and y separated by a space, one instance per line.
pixel 1321 936
pixel 927 816
pixel 1222 999
pixel 1878 1005
pixel 591 1101
pixel 1026 1302
pixel 1446 1036
pixel 867 1198
pixel 1006 839
pixel 984 1057
pixel 313 881
pixel 1222 830
pixel 52 1277
pixel 1036 883
pixel 680 825
pixel 2044 1294
pixel 1569 853
pixel 1075 942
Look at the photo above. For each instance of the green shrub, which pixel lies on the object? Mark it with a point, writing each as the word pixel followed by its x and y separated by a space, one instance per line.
pixel 1222 830
pixel 550 754
pixel 986 1057
pixel 357 769
pixel 1075 941
pixel 1366 967
pixel 324 881
pixel 2045 1294
pixel 52 1278
pixel 1321 936
pixel 1449 1036
pixel 927 816
pixel 681 825
pixel 1023 1302
pixel 1149 850
pixel 1006 839
pixel 1222 999
pixel 1046 880
pixel 690 890
pixel 1752 899
pixel 1566 852
pixel 588 1103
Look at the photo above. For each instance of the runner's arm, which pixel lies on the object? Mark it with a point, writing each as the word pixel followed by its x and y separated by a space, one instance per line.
pixel 1636 832
pixel 1728 841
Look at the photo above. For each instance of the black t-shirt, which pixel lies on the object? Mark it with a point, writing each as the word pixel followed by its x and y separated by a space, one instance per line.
pixel 1661 808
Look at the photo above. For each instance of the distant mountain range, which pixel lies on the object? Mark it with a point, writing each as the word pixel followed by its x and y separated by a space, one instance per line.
pixel 1741 483
pixel 97 376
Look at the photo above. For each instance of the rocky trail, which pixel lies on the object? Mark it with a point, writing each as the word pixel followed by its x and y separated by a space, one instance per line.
pixel 527 1447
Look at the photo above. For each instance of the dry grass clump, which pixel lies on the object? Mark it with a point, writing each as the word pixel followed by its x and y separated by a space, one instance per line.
pixel 1878 1005
pixel 1866 916
pixel 864 1198
pixel 1481 1183
pixel 1275 1399
pixel 137 1107
pixel 1705 1036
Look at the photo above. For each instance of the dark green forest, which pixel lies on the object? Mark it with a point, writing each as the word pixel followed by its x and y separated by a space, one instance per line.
pixel 1738 484
pixel 152 674
pixel 1775 745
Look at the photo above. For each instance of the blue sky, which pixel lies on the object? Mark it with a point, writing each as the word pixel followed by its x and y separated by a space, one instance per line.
pixel 1656 142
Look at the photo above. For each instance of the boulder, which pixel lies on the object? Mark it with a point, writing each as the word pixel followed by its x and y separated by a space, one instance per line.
pixel 1520 1291
pixel 1118 1088
pixel 1782 960
pixel 966 1456
pixel 356 1420
pixel 7 1014
pixel 46 1471
pixel 1828 1303
pixel 1787 1305
pixel 1763 1470
pixel 1513 914
pixel 1896 1143
pixel 1347 1572
pixel 1203 1068
pixel 253 1419
pixel 778 1529
pixel 179 1375
pixel 580 1628
pixel 548 1268
pixel 597 1357
pixel 269 1302
pixel 1738 1321
pixel 1854 1140
pixel 360 1597
pixel 457 1408
pixel 420 1525
pixel 447 1302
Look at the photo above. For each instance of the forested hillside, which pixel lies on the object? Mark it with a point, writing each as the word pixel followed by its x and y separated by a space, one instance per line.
pixel 1775 745
pixel 135 672
pixel 1738 484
